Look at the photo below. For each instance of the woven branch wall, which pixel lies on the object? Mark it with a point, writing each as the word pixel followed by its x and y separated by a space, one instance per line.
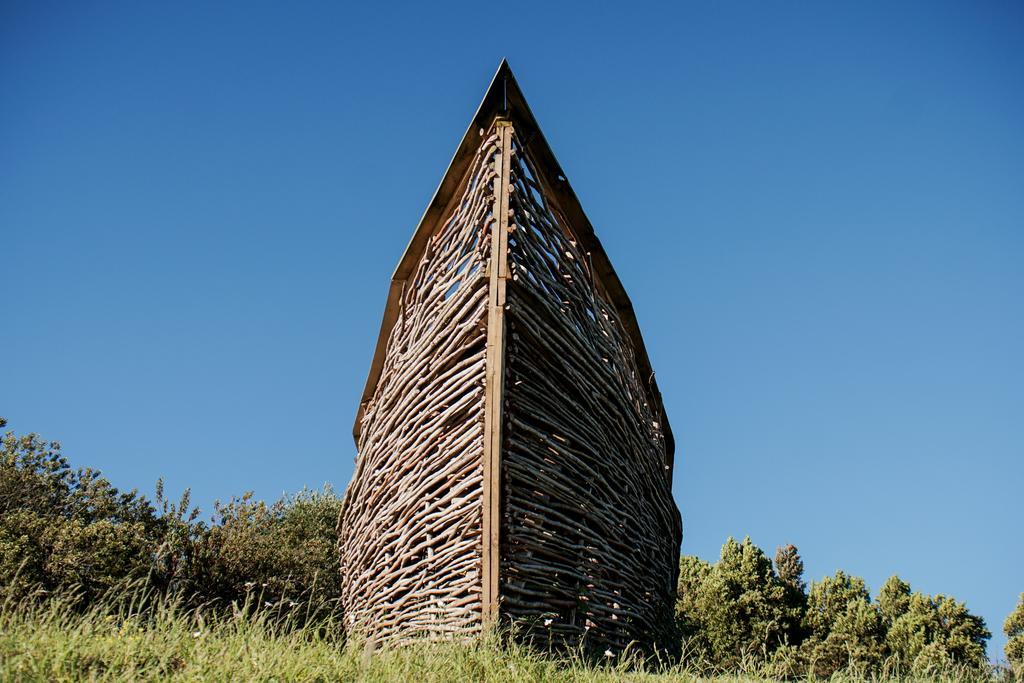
pixel 592 536
pixel 410 526
pixel 514 461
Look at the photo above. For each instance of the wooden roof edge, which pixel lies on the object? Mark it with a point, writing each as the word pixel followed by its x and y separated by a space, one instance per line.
pixel 505 98
pixel 494 100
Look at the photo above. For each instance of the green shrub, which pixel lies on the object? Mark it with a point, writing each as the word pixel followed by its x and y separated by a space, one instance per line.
pixel 693 572
pixel 893 600
pixel 931 633
pixel 737 612
pixel 284 553
pixel 744 615
pixel 70 533
pixel 846 631
pixel 60 526
pixel 1013 627
pixel 63 528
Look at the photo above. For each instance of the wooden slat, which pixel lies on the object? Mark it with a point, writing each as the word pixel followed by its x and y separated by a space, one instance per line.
pixel 494 397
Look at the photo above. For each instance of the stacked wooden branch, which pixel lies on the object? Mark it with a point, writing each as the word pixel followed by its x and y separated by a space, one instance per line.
pixel 590 546
pixel 548 470
pixel 410 527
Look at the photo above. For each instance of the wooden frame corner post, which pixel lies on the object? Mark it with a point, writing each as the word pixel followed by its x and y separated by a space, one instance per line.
pixel 495 382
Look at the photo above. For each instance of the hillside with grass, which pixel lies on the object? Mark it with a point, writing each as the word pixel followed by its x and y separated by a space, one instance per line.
pixel 98 584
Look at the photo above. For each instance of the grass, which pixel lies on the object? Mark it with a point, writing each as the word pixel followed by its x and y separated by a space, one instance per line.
pixel 116 641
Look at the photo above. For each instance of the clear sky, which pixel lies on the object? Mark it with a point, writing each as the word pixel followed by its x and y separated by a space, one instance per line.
pixel 817 209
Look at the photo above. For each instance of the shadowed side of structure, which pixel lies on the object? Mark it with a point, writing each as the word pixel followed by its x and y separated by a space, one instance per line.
pixel 591 542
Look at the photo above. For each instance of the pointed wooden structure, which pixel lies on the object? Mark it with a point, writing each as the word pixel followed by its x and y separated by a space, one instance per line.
pixel 515 460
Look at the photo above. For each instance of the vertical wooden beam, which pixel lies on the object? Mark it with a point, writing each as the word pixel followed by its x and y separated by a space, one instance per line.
pixel 495 382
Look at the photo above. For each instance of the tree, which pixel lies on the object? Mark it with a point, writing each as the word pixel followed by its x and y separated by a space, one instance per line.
pixel 893 600
pixel 1013 627
pixel 935 633
pixel 284 553
pixel 693 572
pixel 790 567
pixel 736 612
pixel 65 527
pixel 845 629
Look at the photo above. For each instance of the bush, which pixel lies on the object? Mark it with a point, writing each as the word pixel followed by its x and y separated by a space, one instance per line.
pixel 742 614
pixel 60 526
pixel 693 572
pixel 932 633
pixel 846 631
pixel 63 528
pixel 70 533
pixel 285 552
pixel 1013 627
pixel 737 612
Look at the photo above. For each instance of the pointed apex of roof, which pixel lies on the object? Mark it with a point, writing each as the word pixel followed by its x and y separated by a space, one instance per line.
pixel 503 98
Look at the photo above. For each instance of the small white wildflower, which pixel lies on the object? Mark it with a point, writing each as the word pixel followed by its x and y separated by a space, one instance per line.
pixel 196 634
pixel 608 653
pixel 268 604
pixel 264 584
pixel 250 584
pixel 293 604
pixel 547 622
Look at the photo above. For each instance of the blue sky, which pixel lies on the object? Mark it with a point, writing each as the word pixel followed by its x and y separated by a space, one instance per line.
pixel 817 209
